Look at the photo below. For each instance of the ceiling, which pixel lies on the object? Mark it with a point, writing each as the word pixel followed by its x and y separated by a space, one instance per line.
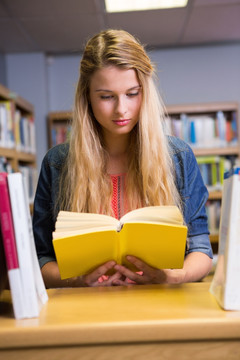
pixel 62 26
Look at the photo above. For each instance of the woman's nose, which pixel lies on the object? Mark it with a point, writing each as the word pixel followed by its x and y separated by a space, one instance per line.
pixel 121 106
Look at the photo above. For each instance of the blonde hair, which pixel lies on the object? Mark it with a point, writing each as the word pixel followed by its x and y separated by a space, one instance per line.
pixel 85 185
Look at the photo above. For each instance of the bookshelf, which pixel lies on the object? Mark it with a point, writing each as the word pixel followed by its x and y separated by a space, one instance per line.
pixel 59 126
pixel 217 118
pixel 17 137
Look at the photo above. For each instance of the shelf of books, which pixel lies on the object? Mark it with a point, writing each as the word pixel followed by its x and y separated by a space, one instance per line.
pixel 211 129
pixel 17 138
pixel 59 127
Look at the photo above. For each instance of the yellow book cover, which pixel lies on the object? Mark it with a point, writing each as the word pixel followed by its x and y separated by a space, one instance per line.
pixel 155 234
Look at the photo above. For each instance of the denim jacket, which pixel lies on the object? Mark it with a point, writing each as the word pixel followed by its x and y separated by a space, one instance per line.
pixel 189 184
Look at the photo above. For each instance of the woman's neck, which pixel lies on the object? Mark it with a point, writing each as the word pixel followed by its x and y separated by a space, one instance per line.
pixel 117 146
pixel 118 156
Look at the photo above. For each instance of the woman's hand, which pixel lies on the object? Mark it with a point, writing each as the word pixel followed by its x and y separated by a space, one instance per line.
pixel 148 274
pixel 97 277
pixel 52 278
pixel 196 266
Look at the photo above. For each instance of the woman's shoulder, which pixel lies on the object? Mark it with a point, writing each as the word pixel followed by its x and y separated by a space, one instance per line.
pixel 57 154
pixel 178 146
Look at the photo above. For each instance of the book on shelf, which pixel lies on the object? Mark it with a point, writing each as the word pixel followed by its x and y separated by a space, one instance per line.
pixel 212 170
pixel 27 134
pixel 5 165
pixel 60 133
pixel 225 284
pixel 83 241
pixel 6 124
pixel 213 210
pixel 25 280
pixel 30 175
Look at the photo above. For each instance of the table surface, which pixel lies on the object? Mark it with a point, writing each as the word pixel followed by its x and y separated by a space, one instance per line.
pixel 75 316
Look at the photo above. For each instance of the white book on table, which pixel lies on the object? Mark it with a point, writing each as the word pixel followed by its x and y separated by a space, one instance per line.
pixel 225 285
pixel 25 248
pixel 40 287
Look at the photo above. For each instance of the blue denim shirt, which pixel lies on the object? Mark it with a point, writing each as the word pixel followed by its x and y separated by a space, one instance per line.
pixel 189 184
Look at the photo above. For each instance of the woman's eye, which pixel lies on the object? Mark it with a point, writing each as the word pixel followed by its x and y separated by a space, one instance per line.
pixel 106 97
pixel 133 94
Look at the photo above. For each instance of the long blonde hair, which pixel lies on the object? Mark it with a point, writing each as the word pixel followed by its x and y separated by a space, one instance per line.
pixel 85 185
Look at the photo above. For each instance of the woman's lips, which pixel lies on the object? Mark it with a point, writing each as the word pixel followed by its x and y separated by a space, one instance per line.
pixel 121 122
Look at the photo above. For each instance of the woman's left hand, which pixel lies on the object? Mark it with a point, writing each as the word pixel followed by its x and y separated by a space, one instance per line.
pixel 196 266
pixel 149 275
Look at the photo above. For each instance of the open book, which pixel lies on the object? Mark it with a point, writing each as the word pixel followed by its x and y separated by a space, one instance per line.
pixel 84 241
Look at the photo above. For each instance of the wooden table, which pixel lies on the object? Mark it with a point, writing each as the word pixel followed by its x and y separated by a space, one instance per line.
pixel 141 322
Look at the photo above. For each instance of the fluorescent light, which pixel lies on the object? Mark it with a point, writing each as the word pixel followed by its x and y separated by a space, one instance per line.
pixel 138 5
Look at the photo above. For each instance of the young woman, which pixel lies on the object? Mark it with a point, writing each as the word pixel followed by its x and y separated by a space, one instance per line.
pixel 119 159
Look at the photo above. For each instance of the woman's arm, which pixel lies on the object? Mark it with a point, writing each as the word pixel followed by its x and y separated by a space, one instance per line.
pixel 52 278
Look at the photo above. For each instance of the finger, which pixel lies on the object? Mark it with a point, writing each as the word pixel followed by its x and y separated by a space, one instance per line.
pixel 120 283
pixel 92 278
pixel 140 265
pixel 108 281
pixel 115 277
pixel 140 279
pixel 151 275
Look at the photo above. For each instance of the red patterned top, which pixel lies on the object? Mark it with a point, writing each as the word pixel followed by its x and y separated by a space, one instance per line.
pixel 118 198
pixel 119 206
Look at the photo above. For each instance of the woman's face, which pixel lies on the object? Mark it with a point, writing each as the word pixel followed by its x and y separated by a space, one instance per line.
pixel 115 97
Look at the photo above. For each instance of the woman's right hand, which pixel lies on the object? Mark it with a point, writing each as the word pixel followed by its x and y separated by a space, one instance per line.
pixel 52 278
pixel 98 276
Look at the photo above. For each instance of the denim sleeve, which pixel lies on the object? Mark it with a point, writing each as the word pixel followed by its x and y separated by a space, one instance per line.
pixel 194 195
pixel 43 221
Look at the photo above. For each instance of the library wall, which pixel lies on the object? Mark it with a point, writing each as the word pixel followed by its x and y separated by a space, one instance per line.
pixel 27 76
pixel 199 74
pixel 3 79
pixel 186 75
pixel 62 74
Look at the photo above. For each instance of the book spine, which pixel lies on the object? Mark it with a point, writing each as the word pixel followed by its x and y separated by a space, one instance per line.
pixel 19 306
pixel 7 225
pixel 232 290
pixel 40 287
pixel 20 221
pixel 10 250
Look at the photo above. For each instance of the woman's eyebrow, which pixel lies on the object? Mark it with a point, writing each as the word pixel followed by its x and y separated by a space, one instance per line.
pixel 132 88
pixel 105 90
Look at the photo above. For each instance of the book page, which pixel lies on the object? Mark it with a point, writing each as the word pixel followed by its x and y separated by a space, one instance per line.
pixel 67 232
pixel 161 246
pixel 76 220
pixel 162 214
pixel 81 254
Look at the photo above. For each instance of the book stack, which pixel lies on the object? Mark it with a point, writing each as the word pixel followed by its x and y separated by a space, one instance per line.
pixel 24 275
